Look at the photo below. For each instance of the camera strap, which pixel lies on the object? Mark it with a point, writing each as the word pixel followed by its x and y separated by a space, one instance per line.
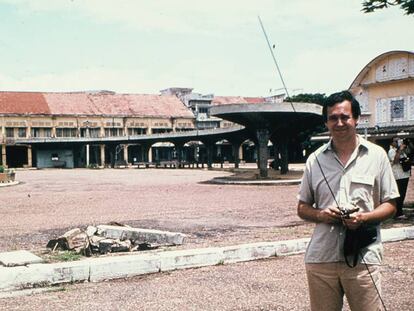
pixel 326 181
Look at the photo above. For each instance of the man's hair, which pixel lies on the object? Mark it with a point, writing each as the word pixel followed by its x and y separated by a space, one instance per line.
pixel 339 97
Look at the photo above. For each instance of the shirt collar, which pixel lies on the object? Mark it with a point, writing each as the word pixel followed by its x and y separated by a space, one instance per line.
pixel 362 144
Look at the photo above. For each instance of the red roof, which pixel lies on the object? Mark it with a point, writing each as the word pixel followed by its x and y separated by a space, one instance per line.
pixel 23 103
pixel 88 103
pixel 224 100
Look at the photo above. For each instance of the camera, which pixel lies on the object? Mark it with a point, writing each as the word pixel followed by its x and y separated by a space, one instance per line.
pixel 347 210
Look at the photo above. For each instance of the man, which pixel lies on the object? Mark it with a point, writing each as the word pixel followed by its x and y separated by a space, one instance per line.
pixel 397 152
pixel 359 174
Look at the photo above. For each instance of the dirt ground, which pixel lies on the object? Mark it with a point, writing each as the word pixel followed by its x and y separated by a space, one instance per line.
pixel 49 202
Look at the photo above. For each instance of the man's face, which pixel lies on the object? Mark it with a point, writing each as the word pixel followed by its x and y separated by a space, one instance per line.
pixel 341 124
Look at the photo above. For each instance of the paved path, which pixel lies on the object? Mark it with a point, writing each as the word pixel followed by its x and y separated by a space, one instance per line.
pixel 48 202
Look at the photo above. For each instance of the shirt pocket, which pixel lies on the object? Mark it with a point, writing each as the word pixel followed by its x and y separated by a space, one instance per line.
pixel 361 191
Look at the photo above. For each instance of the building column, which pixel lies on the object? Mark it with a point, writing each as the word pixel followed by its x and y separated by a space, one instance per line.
pixel 29 129
pixel 87 155
pixel 3 155
pixel 53 127
pixel 284 161
pixel 179 151
pixel 235 147
pixel 126 154
pixel 209 150
pixel 146 153
pixel 276 150
pixel 241 152
pixel 29 156
pixel 102 147
pixel 262 151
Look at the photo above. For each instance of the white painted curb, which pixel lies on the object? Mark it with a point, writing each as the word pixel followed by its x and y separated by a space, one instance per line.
pixel 113 267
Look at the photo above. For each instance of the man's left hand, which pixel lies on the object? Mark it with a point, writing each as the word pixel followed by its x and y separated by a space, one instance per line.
pixel 354 221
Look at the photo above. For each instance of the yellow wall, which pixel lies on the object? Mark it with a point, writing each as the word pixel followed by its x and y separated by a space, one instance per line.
pixel 374 86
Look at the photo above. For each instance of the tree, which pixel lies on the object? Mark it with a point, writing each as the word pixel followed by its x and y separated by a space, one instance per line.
pixel 369 6
pixel 316 98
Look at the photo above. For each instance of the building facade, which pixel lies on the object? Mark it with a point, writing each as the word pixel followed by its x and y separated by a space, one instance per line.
pixel 61 116
pixel 385 91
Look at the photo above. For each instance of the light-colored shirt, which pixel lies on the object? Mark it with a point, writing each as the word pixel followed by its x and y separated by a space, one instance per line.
pixel 365 181
pixel 397 167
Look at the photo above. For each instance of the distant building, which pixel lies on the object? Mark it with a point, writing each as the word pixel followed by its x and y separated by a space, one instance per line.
pixel 198 104
pixel 103 128
pixel 83 114
pixel 385 91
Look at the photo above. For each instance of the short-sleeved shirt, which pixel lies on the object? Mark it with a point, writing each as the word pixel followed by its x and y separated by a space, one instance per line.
pixel 365 181
pixel 397 167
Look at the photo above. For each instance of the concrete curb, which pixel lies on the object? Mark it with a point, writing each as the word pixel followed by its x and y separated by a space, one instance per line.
pixel 281 182
pixel 113 267
pixel 7 184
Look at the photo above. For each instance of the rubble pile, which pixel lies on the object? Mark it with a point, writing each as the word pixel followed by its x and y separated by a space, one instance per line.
pixel 111 238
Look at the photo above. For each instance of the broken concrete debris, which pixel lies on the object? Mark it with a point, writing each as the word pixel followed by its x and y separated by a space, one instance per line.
pixel 113 238
pixel 75 239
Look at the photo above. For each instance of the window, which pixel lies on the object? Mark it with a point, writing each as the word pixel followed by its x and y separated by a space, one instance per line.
pixel 65 132
pixel 41 132
pixel 397 109
pixel 90 132
pixel 94 132
pixel 35 132
pixel 137 131
pixel 10 132
pixel 162 130
pixel 47 132
pixel 110 132
pixel 21 132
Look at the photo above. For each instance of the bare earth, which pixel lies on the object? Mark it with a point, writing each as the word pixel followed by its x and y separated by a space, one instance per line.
pixel 49 202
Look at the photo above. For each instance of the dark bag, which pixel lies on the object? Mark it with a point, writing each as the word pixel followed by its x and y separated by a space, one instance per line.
pixel 356 240
pixel 405 163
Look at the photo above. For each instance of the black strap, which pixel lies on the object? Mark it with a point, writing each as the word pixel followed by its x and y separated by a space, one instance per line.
pixel 326 181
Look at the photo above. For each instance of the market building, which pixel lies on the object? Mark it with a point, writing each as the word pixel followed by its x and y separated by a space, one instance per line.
pixel 62 116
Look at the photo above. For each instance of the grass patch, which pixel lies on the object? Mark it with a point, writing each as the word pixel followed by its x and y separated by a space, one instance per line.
pixel 65 256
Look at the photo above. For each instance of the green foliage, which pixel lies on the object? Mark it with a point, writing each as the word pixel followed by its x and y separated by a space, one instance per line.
pixel 317 98
pixel 1 169
pixel 65 256
pixel 369 6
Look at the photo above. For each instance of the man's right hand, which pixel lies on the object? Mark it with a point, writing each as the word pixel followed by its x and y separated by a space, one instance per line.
pixel 330 215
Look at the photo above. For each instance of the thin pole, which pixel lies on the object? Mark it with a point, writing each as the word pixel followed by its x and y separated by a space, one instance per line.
pixel 275 61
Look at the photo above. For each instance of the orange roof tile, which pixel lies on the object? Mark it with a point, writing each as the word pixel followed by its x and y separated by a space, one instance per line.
pixel 88 103
pixel 23 103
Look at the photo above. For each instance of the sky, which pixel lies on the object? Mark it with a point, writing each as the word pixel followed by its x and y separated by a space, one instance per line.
pixel 215 47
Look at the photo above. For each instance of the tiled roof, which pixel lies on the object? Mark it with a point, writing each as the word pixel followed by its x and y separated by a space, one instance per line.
pixel 224 100
pixel 23 103
pixel 88 103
